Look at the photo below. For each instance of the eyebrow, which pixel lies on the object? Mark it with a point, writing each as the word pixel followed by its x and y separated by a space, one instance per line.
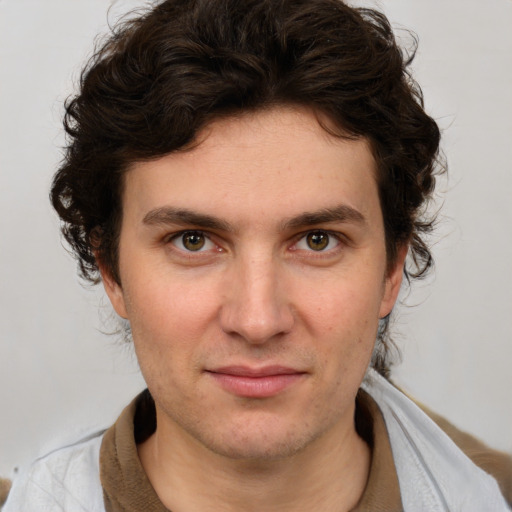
pixel 341 213
pixel 182 216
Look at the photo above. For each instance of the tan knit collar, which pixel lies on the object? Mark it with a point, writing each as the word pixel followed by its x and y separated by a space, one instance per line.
pixel 126 487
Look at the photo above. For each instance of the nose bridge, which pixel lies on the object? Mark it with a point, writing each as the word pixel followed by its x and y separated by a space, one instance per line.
pixel 257 308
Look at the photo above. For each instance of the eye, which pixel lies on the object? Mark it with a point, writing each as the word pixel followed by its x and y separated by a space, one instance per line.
pixel 192 241
pixel 318 241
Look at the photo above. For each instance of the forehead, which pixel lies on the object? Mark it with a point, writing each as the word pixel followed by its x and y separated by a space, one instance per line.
pixel 259 166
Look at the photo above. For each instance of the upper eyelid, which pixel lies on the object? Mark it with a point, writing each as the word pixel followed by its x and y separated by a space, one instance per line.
pixel 295 238
pixel 176 234
pixel 336 234
pixel 341 240
pixel 168 240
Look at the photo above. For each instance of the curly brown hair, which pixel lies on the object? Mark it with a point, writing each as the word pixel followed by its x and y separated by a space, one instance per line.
pixel 162 76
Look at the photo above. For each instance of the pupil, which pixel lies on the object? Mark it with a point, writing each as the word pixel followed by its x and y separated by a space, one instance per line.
pixel 318 241
pixel 193 241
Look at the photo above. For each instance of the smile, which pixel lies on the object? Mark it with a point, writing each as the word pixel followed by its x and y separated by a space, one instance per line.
pixel 255 383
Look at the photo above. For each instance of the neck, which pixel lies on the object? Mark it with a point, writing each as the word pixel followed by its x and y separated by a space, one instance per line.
pixel 329 474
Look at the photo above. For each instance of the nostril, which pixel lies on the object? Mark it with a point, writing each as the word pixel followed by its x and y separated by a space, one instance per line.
pixel 259 325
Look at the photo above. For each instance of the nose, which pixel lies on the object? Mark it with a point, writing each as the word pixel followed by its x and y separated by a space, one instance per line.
pixel 256 306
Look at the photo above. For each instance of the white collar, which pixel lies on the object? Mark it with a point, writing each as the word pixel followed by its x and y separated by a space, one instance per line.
pixel 433 473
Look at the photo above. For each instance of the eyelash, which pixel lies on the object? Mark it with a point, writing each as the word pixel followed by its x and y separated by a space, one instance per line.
pixel 331 237
pixel 181 235
pixel 301 237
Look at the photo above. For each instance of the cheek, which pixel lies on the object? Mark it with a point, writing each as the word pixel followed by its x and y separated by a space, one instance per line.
pixel 168 303
pixel 170 322
pixel 164 337
pixel 350 306
pixel 344 320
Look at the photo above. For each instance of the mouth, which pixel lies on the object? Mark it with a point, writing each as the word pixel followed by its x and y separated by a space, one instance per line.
pixel 249 382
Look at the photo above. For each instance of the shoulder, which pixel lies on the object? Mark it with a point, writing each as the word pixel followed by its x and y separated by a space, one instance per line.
pixel 64 479
pixel 494 462
pixel 433 472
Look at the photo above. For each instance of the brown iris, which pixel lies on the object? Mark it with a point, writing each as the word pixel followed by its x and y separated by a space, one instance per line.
pixel 317 240
pixel 193 240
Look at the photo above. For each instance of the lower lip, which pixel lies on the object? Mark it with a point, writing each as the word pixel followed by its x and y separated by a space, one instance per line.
pixel 256 387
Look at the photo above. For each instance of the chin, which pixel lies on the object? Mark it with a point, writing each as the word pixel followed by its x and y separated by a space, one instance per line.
pixel 258 450
pixel 260 444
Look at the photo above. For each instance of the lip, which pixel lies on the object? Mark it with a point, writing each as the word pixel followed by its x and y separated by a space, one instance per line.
pixel 249 382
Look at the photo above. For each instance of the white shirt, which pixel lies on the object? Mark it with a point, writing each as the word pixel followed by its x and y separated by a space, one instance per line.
pixel 433 473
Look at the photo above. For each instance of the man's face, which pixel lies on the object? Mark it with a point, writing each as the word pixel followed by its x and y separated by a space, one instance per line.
pixel 253 274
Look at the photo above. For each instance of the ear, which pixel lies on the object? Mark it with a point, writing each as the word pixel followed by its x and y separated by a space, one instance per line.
pixel 113 290
pixel 393 282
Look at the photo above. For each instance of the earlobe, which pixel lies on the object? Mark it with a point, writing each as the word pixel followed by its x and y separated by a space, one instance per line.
pixel 114 291
pixel 393 283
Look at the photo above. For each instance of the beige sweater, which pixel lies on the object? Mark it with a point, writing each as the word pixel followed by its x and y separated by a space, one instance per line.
pixel 127 488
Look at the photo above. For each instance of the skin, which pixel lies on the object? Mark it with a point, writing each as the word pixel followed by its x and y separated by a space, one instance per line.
pixel 258 293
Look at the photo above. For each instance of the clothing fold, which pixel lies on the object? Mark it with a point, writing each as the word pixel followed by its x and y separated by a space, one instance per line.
pixel 433 473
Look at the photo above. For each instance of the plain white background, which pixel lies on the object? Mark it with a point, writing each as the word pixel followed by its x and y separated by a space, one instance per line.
pixel 61 375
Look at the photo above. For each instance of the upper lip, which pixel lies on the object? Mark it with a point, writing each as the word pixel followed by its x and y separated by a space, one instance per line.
pixel 248 371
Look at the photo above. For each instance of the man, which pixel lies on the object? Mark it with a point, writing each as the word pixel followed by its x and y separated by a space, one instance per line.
pixel 246 178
